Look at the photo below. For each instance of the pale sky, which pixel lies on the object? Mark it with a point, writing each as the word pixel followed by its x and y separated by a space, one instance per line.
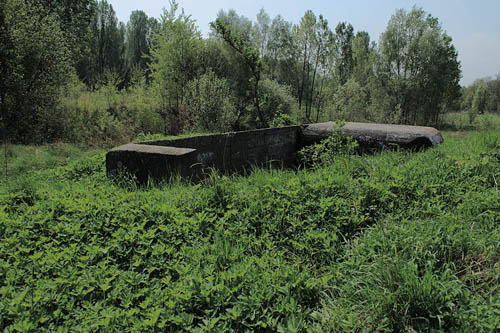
pixel 473 25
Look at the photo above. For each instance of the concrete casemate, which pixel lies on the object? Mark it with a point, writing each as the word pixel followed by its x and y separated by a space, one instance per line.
pixel 191 157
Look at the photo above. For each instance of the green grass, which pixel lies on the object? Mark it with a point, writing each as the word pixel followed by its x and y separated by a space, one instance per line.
pixel 396 241
pixel 156 137
pixel 22 161
pixel 461 122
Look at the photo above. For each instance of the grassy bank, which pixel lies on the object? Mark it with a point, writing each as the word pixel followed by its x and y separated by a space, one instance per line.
pixel 396 241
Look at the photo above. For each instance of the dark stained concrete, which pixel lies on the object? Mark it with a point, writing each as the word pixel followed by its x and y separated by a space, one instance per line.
pixel 191 157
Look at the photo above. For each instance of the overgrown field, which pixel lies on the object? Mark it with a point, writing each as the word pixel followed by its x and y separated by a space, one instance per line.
pixel 396 241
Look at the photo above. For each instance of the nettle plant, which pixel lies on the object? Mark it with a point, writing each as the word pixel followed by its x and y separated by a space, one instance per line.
pixel 326 151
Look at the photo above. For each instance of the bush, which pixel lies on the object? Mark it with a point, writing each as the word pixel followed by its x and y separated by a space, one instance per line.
pixel 282 120
pixel 108 116
pixel 209 104
pixel 34 60
pixel 327 150
pixel 351 102
pixel 276 100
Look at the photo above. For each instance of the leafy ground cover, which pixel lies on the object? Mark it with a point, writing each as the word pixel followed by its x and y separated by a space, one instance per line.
pixel 396 241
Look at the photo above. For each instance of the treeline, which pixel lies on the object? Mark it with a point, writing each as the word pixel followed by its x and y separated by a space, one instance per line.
pixel 482 96
pixel 74 72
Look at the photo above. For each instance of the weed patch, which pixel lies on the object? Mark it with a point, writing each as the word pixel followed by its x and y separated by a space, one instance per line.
pixel 394 241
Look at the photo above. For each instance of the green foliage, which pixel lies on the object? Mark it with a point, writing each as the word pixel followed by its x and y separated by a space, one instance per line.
pixel 283 120
pixel 276 100
pixel 106 47
pixel 461 122
pixel 140 30
pixel 74 19
pixel 210 105
pixel 150 76
pixel 479 103
pixel 250 55
pixel 315 42
pixel 344 44
pixel 428 83
pixel 174 62
pixel 325 152
pixel 395 241
pixel 488 95
pixel 351 102
pixel 108 116
pixel 35 62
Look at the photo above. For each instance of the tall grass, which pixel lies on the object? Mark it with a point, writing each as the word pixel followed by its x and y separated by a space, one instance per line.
pixel 395 241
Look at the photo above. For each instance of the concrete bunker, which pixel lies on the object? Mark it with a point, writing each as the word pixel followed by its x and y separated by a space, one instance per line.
pixel 236 151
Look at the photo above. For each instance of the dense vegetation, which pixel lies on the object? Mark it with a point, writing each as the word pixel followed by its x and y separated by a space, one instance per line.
pixel 397 241
pixel 73 72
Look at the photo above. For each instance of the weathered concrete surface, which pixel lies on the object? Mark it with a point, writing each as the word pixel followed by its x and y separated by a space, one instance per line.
pixel 145 161
pixel 190 157
pixel 375 135
pixel 236 151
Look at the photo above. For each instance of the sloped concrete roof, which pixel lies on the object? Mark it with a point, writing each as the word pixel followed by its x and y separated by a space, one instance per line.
pixel 382 133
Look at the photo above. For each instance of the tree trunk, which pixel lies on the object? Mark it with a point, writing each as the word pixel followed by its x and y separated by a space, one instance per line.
pixel 301 85
pixel 308 112
pixel 320 101
pixel 257 102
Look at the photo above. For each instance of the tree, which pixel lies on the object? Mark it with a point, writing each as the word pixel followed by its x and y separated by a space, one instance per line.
pixel 261 32
pixel 323 54
pixel 74 18
pixel 238 24
pixel 35 60
pixel 242 45
pixel 306 32
pixel 281 53
pixel 362 57
pixel 315 45
pixel 480 100
pixel 494 95
pixel 491 94
pixel 107 47
pixel 174 62
pixel 344 34
pixel 418 67
pixel 276 99
pixel 351 102
pixel 140 30
pixel 6 69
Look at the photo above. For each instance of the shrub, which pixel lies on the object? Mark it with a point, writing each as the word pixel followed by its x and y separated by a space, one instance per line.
pixel 327 150
pixel 209 104
pixel 351 102
pixel 275 99
pixel 282 120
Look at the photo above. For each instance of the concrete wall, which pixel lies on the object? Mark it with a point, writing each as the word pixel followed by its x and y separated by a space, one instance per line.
pixel 228 152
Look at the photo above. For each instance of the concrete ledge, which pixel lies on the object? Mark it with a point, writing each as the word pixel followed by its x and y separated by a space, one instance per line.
pixel 144 161
pixel 150 149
